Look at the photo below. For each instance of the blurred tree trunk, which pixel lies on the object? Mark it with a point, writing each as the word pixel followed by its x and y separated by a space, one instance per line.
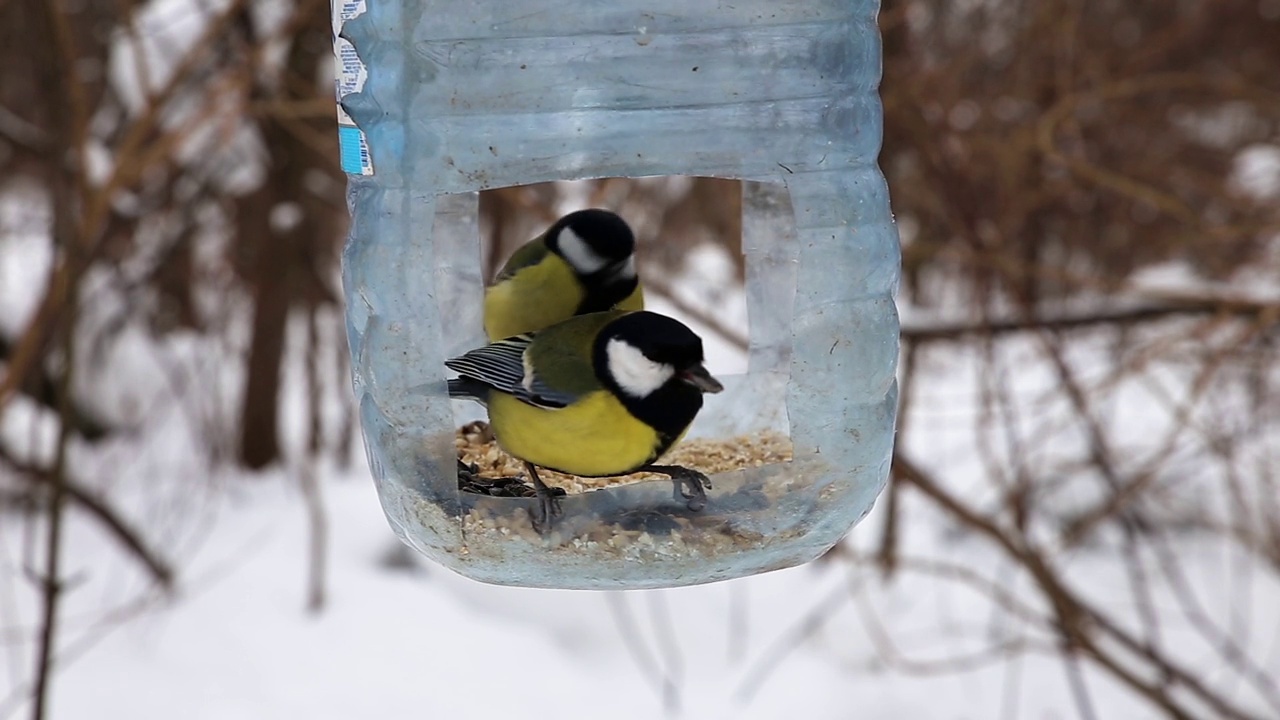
pixel 259 441
pixel 287 228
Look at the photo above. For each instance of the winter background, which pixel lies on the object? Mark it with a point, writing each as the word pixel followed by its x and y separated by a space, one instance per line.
pixel 1084 514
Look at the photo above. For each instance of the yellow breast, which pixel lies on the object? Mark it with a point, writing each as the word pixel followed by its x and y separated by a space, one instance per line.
pixel 594 437
pixel 536 297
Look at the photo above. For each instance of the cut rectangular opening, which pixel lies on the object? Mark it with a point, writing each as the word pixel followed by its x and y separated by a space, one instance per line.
pixel 696 264
pixel 688 234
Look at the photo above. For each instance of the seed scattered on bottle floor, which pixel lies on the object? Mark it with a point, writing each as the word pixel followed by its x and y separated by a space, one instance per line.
pixel 497 470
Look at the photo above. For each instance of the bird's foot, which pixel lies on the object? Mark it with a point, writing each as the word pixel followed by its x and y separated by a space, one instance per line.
pixel 689 484
pixel 548 502
pixel 548 509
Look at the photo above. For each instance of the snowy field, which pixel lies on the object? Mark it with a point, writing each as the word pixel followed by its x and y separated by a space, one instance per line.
pixel 958 633
pixel 400 637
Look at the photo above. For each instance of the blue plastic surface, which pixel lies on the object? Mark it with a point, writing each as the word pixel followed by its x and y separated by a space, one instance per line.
pixel 462 97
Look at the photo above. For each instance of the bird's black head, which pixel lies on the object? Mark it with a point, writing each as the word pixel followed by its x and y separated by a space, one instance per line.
pixel 594 242
pixel 641 352
pixel 653 364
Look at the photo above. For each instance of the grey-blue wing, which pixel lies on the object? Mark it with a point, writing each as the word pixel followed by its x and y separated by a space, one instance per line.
pixel 501 365
pixel 544 395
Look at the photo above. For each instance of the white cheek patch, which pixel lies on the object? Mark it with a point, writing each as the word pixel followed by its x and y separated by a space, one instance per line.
pixel 637 375
pixel 579 254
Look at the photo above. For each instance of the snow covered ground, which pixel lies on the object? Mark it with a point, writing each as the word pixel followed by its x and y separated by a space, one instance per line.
pixel 401 637
pixel 411 639
pixel 236 641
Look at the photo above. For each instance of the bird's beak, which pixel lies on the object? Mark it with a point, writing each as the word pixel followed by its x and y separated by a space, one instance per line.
pixel 698 377
pixel 623 270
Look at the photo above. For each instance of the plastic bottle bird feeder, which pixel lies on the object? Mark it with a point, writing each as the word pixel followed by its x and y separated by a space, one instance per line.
pixel 465 96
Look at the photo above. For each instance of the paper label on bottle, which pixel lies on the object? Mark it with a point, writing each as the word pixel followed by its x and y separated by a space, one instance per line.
pixel 350 75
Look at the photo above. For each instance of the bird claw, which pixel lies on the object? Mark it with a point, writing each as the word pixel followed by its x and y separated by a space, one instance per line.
pixel 698 484
pixel 548 502
pixel 548 508
pixel 689 484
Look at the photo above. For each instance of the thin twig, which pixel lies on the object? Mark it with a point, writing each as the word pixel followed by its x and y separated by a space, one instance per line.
pixel 68 191
pixel 653 284
pixel 806 627
pixel 1131 87
pixel 43 388
pixel 738 626
pixel 889 653
pixel 1074 616
pixel 51 584
pixel 139 151
pixel 669 648
pixel 159 568
pixel 632 640
pixel 1154 313
pixel 996 592
pixel 887 556
pixel 317 521
pixel 1226 647
pixel 1075 680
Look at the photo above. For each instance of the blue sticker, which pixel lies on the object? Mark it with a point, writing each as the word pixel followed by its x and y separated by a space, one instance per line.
pixel 354 151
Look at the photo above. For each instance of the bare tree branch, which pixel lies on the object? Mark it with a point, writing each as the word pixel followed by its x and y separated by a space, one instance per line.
pixel 132 540
pixel 1242 309
pixel 1074 617
pixel 68 192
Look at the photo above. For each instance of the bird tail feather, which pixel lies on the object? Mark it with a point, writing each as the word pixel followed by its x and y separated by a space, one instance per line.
pixel 465 388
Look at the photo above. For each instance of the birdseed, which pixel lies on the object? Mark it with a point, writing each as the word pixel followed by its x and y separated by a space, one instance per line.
pixel 500 474
pixel 767 511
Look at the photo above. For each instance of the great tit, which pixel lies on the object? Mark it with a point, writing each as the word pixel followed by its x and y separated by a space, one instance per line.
pixel 584 263
pixel 597 395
